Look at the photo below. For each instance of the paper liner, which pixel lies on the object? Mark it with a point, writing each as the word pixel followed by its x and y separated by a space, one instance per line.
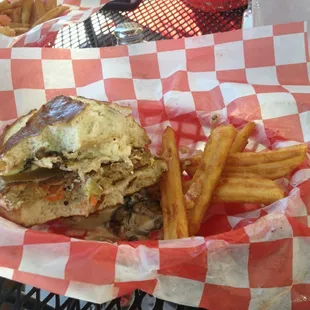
pixel 245 258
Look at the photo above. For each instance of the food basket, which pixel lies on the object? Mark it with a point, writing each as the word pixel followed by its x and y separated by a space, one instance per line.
pixel 244 256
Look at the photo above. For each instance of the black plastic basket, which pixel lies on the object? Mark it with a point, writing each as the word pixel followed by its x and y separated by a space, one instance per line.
pixel 15 296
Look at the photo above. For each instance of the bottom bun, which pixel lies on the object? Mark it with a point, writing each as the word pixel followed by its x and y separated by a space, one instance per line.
pixel 43 211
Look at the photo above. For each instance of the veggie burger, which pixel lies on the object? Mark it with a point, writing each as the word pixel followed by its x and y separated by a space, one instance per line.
pixel 72 157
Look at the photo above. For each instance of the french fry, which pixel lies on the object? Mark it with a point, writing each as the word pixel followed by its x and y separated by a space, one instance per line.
pixel 170 227
pixel 252 158
pixel 245 177
pixel 239 160
pixel 234 189
pixel 26 10
pixel 270 170
pixel 172 199
pixel 4 20
pixel 190 165
pixel 33 15
pixel 7 31
pixel 17 15
pixel 8 12
pixel 19 25
pixel 16 4
pixel 186 185
pixel 55 12
pixel 39 8
pixel 50 4
pixel 4 5
pixel 207 176
pixel 242 138
pixel 20 30
pixel 242 175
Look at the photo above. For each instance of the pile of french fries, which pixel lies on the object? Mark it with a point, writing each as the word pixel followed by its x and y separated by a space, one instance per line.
pixel 222 173
pixel 19 16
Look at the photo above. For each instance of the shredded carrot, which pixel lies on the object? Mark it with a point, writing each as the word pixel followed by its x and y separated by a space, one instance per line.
pixel 55 194
pixel 93 201
pixel 55 189
pixel 45 187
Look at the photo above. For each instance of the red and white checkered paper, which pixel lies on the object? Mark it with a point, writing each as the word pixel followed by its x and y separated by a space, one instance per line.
pixel 244 258
pixel 43 34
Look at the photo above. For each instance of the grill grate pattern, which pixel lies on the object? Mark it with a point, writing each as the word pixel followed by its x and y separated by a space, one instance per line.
pixel 161 19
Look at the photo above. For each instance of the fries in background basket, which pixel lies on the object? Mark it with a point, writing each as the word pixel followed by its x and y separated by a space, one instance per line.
pixel 5 5
pixel 53 13
pixel 39 8
pixel 33 16
pixel 4 20
pixel 17 15
pixel 207 176
pixel 20 16
pixel 26 11
pixel 20 30
pixel 172 199
pixel 50 4
pixel 19 25
pixel 7 31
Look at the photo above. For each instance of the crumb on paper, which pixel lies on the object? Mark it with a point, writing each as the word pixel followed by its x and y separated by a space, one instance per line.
pixel 215 119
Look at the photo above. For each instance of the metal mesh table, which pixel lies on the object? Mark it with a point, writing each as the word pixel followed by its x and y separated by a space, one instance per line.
pixel 161 19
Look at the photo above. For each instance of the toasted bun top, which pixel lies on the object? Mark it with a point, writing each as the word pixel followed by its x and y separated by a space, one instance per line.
pixel 13 128
pixel 59 109
pixel 70 129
